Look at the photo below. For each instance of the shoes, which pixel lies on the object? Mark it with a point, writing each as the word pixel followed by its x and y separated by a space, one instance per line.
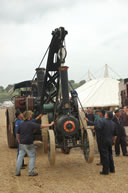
pixel 117 155
pixel 18 174
pixel 99 164
pixel 112 171
pixel 126 154
pixel 33 174
pixel 104 173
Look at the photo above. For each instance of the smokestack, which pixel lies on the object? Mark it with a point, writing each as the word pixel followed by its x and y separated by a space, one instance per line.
pixel 64 87
pixel 40 79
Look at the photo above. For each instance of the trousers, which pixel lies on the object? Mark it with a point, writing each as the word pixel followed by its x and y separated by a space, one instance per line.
pixel 18 153
pixel 31 152
pixel 120 141
pixel 107 158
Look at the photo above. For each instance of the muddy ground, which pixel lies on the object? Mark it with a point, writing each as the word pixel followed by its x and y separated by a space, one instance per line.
pixel 71 173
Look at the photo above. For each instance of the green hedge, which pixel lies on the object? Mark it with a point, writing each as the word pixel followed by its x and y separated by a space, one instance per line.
pixel 4 96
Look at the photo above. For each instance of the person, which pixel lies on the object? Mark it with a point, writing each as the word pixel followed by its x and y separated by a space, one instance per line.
pixel 25 136
pixel 19 120
pixel 124 116
pixel 101 114
pixel 89 115
pixel 97 116
pixel 121 135
pixel 107 131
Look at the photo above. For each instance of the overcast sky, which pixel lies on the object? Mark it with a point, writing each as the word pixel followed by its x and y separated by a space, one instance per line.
pixel 97 35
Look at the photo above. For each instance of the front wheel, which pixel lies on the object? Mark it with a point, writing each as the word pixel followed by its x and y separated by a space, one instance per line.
pixel 51 147
pixel 44 120
pixel 88 145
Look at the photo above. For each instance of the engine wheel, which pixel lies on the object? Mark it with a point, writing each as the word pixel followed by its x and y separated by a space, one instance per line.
pixel 87 139
pixel 10 137
pixel 83 124
pixel 88 146
pixel 10 118
pixel 51 147
pixel 44 120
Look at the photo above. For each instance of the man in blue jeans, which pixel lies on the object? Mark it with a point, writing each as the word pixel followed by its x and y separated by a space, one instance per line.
pixel 25 139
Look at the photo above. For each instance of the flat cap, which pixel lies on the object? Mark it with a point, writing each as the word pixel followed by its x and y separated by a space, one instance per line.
pixel 117 110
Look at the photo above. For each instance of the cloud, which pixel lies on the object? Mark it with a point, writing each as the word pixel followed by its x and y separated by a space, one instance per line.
pixel 23 11
pixel 97 35
pixel 116 40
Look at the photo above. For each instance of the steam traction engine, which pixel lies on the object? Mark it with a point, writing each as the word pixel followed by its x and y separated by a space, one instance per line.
pixel 50 96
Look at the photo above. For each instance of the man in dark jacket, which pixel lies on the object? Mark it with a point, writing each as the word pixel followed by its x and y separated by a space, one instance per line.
pixel 121 135
pixel 107 131
pixel 25 139
pixel 101 114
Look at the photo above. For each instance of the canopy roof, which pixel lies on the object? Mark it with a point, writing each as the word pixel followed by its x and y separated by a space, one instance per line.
pixel 27 83
pixel 99 93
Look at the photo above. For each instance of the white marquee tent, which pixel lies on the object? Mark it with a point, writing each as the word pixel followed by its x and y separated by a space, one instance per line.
pixel 99 92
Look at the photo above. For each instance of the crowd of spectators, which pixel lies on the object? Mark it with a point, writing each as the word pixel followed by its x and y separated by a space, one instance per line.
pixel 111 129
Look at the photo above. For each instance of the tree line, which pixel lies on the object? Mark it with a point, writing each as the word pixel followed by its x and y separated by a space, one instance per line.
pixel 5 95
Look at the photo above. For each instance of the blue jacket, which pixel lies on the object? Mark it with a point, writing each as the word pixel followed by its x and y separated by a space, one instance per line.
pixel 17 123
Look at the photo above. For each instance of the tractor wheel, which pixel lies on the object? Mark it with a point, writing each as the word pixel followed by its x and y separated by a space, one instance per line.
pixel 44 120
pixel 51 147
pixel 65 150
pixel 88 146
pixel 10 118
pixel 83 124
pixel 10 137
pixel 87 139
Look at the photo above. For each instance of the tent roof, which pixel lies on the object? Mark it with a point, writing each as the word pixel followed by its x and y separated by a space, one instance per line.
pixel 99 93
